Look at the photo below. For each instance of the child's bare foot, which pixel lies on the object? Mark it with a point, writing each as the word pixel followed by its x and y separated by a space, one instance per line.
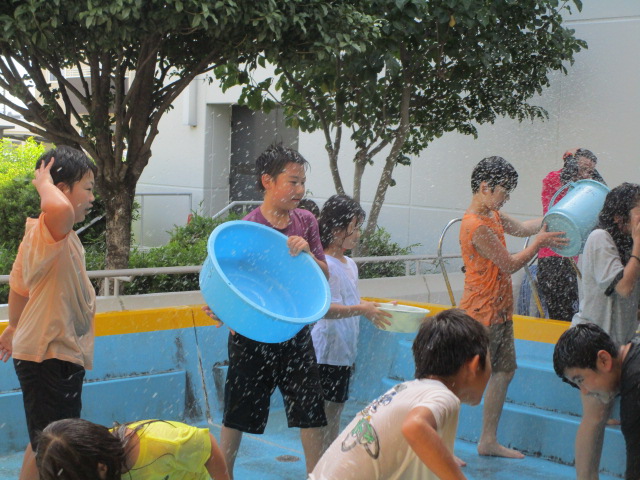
pixel 497 450
pixel 613 421
pixel 461 463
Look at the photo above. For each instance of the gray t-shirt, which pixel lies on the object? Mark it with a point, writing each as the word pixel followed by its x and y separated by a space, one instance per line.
pixel 601 266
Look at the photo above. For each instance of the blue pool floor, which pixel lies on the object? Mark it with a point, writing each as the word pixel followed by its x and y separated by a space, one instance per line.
pixel 277 455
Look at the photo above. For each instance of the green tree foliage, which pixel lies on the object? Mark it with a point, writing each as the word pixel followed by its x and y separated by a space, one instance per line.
pixel 18 160
pixel 132 58
pixel 422 69
pixel 18 198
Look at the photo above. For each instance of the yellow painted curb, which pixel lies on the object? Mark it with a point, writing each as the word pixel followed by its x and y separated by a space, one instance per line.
pixel 169 318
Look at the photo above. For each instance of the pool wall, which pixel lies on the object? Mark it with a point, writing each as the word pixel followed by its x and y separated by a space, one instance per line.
pixel 159 362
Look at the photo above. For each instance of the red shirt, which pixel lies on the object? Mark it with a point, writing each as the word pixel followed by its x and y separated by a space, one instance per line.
pixel 550 185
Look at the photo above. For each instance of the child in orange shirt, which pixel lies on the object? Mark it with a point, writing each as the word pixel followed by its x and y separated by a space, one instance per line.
pixel 488 295
pixel 51 300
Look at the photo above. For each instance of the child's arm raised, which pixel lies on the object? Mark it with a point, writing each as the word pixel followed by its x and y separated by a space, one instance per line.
pixel 420 430
pixel 16 306
pixel 59 214
pixel 631 272
pixel 489 246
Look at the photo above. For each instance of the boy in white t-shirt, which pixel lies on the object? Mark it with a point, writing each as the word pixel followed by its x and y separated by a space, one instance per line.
pixel 408 433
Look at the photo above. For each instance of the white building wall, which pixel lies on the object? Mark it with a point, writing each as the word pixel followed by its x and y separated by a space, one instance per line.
pixel 594 107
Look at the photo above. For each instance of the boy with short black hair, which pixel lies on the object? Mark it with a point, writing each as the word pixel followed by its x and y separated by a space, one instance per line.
pixel 488 293
pixel 587 358
pixel 409 432
pixel 51 299
pixel 257 368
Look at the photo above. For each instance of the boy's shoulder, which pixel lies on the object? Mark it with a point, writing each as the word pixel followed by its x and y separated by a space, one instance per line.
pixel 304 215
pixel 471 219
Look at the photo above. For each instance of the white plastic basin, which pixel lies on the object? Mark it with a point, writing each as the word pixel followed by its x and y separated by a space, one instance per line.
pixel 404 318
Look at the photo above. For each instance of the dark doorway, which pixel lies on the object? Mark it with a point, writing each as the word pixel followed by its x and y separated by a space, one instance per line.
pixel 251 133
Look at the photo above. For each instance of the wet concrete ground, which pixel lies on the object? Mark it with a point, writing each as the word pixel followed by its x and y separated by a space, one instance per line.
pixel 277 455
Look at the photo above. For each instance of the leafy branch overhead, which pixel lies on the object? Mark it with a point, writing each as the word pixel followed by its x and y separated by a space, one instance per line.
pixel 131 59
pixel 419 70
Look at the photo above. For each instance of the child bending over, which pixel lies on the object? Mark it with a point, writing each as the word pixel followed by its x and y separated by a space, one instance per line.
pixel 408 433
pixel 75 449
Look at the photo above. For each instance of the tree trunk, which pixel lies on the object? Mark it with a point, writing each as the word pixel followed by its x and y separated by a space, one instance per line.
pixel 378 199
pixel 119 209
pixel 335 171
pixel 360 162
pixel 396 149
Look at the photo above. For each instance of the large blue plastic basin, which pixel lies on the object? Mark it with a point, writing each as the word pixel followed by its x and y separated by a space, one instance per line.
pixel 576 214
pixel 254 285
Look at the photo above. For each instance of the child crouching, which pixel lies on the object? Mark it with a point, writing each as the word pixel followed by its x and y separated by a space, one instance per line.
pixel 75 449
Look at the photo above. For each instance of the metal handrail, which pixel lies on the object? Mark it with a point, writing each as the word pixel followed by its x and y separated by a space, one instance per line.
pixel 236 203
pixel 128 274
pixel 441 260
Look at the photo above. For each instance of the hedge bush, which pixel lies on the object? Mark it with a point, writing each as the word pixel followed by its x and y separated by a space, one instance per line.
pixel 380 245
pixel 18 161
pixel 187 246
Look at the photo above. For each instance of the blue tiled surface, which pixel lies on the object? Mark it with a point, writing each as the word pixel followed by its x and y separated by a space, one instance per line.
pixel 258 458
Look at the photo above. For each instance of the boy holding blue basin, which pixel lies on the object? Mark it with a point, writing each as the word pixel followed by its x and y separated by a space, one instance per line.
pixel 257 368
pixel 488 295
pixel 409 432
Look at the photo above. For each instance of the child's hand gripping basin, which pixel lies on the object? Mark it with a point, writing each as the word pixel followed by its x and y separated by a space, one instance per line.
pixel 404 318
pixel 254 285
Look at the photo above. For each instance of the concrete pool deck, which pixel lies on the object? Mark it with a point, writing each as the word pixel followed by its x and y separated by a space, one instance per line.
pixel 277 455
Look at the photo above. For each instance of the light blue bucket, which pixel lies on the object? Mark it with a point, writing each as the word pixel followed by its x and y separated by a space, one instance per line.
pixel 576 213
pixel 256 287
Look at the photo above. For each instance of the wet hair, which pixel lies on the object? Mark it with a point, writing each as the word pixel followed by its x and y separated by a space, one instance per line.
pixel 448 340
pixel 274 160
pixel 310 205
pixel 71 449
pixel 618 203
pixel 578 347
pixel 580 152
pixel 337 213
pixel 571 170
pixel 496 171
pixel 70 165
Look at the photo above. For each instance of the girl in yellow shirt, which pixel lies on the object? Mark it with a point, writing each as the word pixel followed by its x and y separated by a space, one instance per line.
pixel 76 449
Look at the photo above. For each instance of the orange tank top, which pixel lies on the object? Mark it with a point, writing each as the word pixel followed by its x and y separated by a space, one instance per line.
pixel 487 295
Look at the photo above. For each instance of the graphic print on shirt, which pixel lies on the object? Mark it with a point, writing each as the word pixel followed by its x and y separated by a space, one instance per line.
pixel 364 433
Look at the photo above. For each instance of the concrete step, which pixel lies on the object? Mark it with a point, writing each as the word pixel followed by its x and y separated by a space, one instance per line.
pixel 542 433
pixel 536 384
pixel 160 395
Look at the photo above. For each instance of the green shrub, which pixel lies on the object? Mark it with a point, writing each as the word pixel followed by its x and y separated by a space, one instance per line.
pixel 380 245
pixel 19 198
pixel 7 256
pixel 187 246
pixel 18 161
